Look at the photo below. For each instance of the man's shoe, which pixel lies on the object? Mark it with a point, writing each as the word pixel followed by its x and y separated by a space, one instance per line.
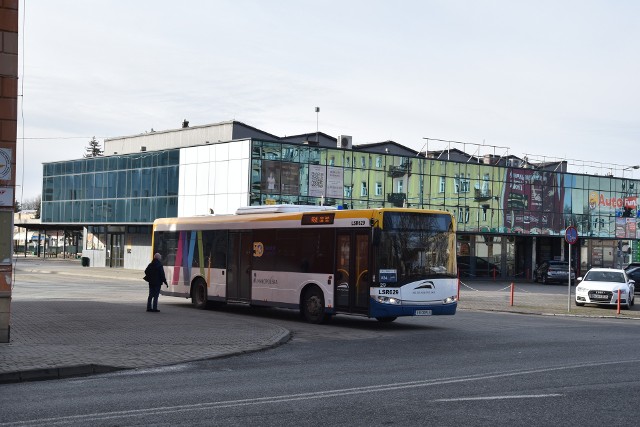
pixel 148 309
pixel 156 311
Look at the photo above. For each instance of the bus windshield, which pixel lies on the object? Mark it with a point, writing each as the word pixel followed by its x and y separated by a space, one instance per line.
pixel 417 246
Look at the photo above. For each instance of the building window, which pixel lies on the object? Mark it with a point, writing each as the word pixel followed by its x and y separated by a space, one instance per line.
pixel 379 161
pixel 378 189
pixel 400 186
pixel 363 189
pixel 465 185
pixel 442 184
pixel 463 215
pixel 461 184
pixel 363 163
pixel 332 161
pixel 347 191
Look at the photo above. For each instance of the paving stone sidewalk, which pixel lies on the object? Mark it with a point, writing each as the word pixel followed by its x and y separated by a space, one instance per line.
pixel 57 337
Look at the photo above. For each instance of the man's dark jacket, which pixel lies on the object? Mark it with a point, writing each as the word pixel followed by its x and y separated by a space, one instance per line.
pixel 155 273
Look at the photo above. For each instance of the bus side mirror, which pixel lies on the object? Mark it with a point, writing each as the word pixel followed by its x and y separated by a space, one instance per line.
pixel 376 237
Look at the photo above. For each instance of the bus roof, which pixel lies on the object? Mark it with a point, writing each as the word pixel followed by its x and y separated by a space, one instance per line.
pixel 282 209
pixel 266 218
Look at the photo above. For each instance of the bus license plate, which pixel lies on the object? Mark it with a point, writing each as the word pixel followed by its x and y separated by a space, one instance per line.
pixel 423 312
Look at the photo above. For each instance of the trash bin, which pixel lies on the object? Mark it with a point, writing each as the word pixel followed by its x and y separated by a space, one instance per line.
pixel 85 261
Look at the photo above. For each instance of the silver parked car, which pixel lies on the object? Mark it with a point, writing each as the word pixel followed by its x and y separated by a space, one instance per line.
pixel 601 285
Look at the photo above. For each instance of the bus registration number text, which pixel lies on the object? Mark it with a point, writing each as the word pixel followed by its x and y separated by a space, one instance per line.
pixel 423 312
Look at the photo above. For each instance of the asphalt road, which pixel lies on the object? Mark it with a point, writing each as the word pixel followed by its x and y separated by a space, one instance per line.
pixel 474 368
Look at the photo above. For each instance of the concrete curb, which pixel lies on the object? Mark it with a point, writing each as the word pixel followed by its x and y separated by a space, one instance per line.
pixel 538 313
pixel 93 369
pixel 55 373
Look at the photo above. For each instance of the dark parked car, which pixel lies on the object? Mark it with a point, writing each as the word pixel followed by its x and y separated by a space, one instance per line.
pixel 633 273
pixel 553 271
pixel 473 266
pixel 631 265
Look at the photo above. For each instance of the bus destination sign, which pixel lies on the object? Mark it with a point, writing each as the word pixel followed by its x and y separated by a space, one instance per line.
pixel 317 219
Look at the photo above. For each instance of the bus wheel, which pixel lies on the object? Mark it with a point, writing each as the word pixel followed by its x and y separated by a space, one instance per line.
pixel 199 294
pixel 313 306
pixel 387 319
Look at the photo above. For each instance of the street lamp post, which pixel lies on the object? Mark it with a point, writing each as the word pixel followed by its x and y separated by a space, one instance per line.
pixel 318 125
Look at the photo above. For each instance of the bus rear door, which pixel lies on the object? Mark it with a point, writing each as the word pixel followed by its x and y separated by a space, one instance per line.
pixel 239 266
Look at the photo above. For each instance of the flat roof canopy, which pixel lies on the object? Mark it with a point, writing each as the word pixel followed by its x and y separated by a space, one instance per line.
pixel 49 227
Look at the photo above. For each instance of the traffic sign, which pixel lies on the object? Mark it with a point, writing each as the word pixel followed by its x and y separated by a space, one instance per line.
pixel 571 235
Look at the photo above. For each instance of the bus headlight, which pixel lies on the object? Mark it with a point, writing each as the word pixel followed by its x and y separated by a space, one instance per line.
pixel 451 299
pixel 388 300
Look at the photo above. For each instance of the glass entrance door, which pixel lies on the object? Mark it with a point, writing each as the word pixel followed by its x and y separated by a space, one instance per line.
pixel 352 276
pixel 115 250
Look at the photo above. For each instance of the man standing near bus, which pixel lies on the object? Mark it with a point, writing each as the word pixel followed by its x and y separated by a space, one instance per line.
pixel 154 274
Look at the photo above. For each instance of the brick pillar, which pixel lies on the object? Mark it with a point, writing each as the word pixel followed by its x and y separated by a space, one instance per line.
pixel 8 128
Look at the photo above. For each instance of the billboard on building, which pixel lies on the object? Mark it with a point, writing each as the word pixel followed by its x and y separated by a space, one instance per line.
pixel 280 178
pixel 533 202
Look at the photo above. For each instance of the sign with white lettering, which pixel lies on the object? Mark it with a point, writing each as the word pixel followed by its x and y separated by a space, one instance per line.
pixel 388 275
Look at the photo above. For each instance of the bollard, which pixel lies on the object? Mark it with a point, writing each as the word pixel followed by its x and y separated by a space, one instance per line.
pixel 458 285
pixel 494 274
pixel 528 277
pixel 512 288
pixel 618 301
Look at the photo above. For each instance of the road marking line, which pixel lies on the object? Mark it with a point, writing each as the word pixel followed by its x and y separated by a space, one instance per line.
pixel 103 416
pixel 521 396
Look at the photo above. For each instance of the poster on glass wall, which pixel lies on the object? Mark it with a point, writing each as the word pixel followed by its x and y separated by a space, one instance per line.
pixel 604 206
pixel 317 180
pixel 280 178
pixel 625 228
pixel 290 178
pixel 326 181
pixel 335 182
pixel 270 182
pixel 533 202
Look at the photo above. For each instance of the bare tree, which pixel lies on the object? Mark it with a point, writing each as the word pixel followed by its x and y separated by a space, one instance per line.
pixel 33 204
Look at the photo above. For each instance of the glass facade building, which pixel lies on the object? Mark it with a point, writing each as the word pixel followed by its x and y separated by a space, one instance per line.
pixel 134 188
pixel 510 214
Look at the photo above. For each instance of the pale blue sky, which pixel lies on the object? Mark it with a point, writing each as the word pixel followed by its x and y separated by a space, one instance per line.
pixel 544 78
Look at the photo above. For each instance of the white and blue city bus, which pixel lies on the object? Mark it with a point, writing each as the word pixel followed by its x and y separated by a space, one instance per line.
pixel 380 263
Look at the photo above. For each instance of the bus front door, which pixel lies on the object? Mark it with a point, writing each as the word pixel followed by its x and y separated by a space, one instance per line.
pixel 239 266
pixel 352 278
